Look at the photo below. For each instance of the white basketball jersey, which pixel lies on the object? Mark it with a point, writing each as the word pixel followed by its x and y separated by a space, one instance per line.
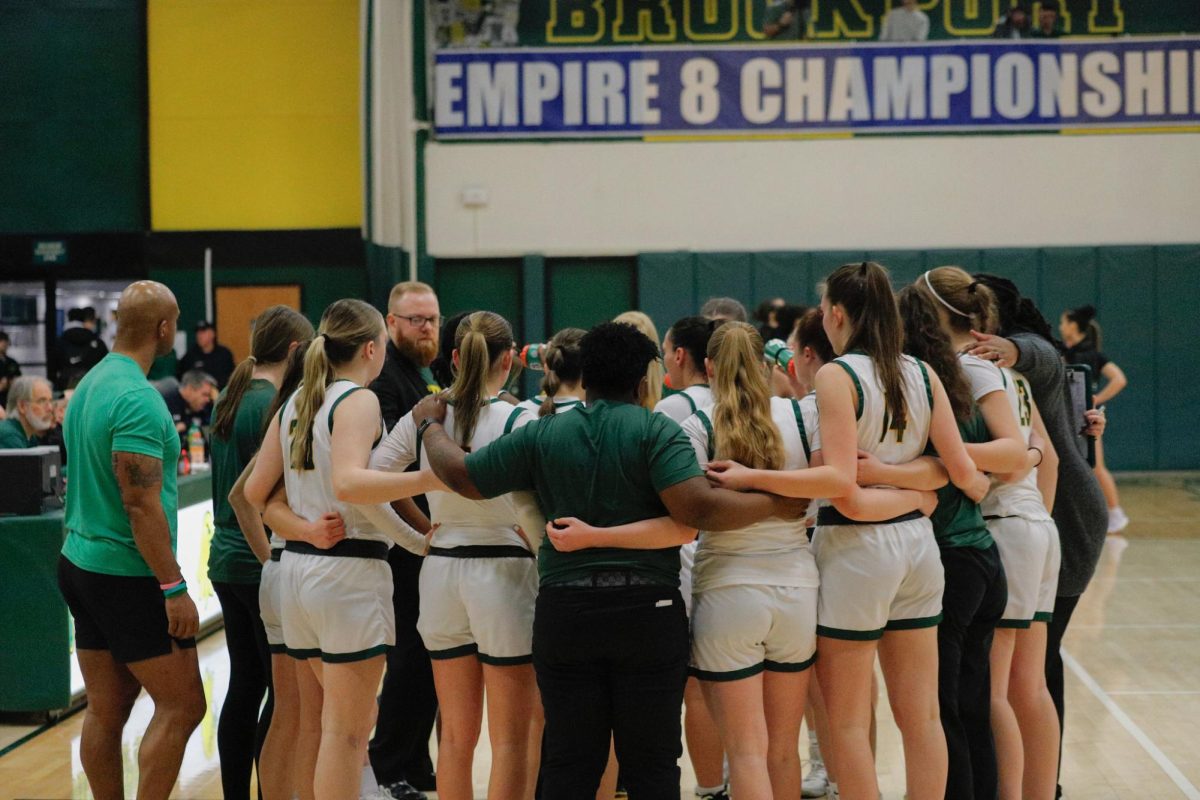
pixel 463 521
pixel 890 441
pixel 310 491
pixel 1021 499
pixel 773 552
pixel 682 405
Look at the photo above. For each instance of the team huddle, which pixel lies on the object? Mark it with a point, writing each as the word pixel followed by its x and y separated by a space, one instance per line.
pixel 600 558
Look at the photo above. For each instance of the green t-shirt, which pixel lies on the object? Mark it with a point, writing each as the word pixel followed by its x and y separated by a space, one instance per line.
pixel 604 463
pixel 957 522
pixel 114 409
pixel 230 559
pixel 12 435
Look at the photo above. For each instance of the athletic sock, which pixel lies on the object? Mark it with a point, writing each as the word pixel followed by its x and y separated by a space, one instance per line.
pixel 702 791
pixel 367 785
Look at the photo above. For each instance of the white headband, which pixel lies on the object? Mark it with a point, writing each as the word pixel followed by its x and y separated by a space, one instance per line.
pixel 938 297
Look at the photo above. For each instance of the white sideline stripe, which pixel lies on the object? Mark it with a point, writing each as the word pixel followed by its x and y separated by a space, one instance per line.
pixel 1152 750
pixel 1179 579
pixel 1151 691
pixel 1138 625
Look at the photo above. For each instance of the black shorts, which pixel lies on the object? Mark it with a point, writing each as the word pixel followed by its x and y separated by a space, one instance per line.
pixel 120 614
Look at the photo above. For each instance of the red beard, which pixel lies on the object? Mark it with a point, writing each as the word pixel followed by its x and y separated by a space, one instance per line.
pixel 422 351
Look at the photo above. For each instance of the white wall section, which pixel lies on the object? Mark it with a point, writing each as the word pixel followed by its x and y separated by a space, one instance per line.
pixel 611 198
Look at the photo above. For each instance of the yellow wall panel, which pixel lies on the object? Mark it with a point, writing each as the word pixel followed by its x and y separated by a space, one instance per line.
pixel 254 114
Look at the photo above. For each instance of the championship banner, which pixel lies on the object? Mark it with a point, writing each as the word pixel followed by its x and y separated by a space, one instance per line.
pixel 816 89
pixel 624 23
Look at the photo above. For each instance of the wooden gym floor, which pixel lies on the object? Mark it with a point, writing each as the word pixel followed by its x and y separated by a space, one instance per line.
pixel 1133 680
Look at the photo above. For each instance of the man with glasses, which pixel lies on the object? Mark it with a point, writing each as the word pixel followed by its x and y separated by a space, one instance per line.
pixel 30 413
pixel 407 704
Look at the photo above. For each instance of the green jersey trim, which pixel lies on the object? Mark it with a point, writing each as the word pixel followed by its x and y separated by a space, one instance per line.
pixel 800 425
pixel 708 429
pixel 928 387
pixel 512 418
pixel 857 385
pixel 337 403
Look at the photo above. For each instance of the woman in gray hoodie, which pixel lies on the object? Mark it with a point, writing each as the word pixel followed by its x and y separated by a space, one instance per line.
pixel 1027 344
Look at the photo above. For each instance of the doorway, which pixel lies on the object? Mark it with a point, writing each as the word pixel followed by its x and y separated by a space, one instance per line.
pixel 238 306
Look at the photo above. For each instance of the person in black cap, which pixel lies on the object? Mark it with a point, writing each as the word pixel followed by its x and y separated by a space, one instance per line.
pixel 78 349
pixel 208 356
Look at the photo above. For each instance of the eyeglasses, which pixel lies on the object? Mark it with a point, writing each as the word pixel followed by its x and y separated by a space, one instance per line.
pixel 419 322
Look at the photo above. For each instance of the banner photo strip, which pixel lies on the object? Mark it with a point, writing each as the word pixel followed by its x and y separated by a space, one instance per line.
pixel 817 89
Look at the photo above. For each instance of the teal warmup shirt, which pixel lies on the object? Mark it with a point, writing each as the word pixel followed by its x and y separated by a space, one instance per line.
pixel 604 463
pixel 12 435
pixel 230 559
pixel 957 522
pixel 114 409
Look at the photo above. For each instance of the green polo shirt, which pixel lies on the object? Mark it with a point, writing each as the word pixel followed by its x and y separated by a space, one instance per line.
pixel 12 435
pixel 114 409
pixel 230 559
pixel 957 522
pixel 604 463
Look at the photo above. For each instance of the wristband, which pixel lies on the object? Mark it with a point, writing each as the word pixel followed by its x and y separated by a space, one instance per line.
pixel 1041 456
pixel 175 591
pixel 171 585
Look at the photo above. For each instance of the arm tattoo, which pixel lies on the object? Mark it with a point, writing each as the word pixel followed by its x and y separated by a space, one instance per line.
pixel 137 471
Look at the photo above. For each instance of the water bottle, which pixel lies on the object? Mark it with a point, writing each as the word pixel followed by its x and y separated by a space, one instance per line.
pixel 195 445
pixel 531 357
pixel 777 353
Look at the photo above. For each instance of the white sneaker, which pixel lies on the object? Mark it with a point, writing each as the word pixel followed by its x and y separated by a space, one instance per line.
pixel 1117 520
pixel 816 782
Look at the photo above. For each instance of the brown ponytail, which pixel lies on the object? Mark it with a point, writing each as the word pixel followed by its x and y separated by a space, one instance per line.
pixel 562 361
pixel 742 426
pixel 926 340
pixel 274 332
pixel 346 326
pixel 810 332
pixel 481 338
pixel 969 304
pixel 866 293
pixel 293 375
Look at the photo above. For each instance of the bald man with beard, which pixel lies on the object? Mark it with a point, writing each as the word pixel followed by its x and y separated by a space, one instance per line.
pixel 135 625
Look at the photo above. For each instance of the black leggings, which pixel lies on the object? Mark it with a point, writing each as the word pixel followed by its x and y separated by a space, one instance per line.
pixel 241 729
pixel 973 602
pixel 1064 607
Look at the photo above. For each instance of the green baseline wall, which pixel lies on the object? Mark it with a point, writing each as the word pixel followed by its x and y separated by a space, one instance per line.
pixel 1148 298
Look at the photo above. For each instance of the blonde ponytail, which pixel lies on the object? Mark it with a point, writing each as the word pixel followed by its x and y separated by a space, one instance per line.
pixel 654 370
pixel 743 429
pixel 318 374
pixel 346 326
pixel 481 338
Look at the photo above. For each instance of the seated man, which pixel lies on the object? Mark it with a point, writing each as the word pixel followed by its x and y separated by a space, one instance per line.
pixel 191 402
pixel 610 644
pixel 30 413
